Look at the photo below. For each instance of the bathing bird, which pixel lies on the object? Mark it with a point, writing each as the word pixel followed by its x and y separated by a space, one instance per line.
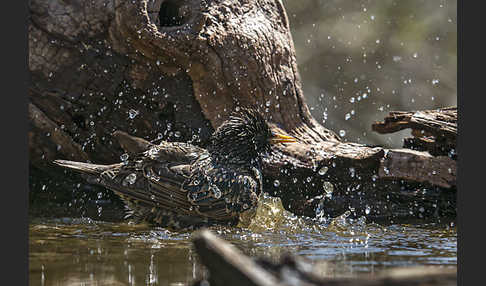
pixel 178 185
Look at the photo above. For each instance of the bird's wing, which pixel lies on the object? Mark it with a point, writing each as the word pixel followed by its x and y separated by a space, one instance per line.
pixel 166 186
pixel 223 193
pixel 168 151
pixel 151 183
pixel 182 153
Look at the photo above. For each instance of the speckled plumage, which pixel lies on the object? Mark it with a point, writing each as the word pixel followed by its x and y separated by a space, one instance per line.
pixel 180 186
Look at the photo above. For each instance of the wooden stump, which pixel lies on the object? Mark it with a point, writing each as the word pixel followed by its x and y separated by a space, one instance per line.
pixel 174 70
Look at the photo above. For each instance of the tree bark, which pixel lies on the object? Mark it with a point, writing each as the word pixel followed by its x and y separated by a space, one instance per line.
pixel 174 70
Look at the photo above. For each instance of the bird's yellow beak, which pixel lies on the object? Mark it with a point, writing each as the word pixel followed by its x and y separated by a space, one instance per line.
pixel 278 138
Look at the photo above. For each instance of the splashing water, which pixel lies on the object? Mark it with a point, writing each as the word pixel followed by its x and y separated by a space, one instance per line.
pixel 124 253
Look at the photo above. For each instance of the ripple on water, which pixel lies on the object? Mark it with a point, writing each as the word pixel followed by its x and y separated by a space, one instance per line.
pixel 70 247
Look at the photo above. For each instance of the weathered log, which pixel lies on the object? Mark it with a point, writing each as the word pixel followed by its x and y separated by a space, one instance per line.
pixel 174 70
pixel 418 167
pixel 433 130
pixel 227 265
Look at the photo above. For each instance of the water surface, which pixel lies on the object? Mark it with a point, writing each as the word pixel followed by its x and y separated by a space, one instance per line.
pixel 81 251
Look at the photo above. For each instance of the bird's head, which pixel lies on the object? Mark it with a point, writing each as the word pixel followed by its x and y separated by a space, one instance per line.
pixel 245 136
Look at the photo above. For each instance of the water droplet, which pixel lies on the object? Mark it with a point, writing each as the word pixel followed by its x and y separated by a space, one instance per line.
pixel 124 157
pixel 130 179
pixel 328 187
pixel 216 191
pixel 352 172
pixel 323 170
pixel 276 183
pixel 342 133
pixel 386 170
pixel 367 210
pixel 415 55
pixel 347 116
pixel 132 113
pixel 152 152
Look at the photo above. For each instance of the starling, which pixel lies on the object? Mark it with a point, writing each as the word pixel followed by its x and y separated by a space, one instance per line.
pixel 181 186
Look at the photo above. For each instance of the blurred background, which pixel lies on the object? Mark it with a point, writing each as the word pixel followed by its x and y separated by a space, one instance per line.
pixel 360 59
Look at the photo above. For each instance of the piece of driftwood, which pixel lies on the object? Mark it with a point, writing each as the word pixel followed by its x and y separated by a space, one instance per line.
pixel 229 266
pixel 174 70
pixel 433 130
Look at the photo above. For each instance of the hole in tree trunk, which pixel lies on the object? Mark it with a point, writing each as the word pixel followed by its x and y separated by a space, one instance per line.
pixel 169 14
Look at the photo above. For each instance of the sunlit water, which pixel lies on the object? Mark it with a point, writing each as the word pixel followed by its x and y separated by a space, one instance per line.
pixel 71 251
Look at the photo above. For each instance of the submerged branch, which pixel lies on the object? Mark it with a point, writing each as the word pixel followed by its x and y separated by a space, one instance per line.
pixel 227 265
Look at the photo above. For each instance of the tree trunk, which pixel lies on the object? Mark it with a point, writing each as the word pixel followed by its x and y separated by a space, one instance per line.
pixel 174 70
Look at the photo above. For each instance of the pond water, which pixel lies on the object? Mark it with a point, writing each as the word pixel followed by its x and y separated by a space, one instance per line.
pixel 82 251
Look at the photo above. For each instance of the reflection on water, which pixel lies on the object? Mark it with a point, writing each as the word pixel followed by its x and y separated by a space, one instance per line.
pixel 84 252
pixel 70 251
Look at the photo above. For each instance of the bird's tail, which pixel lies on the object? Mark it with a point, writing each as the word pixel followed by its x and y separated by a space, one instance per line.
pixel 86 168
